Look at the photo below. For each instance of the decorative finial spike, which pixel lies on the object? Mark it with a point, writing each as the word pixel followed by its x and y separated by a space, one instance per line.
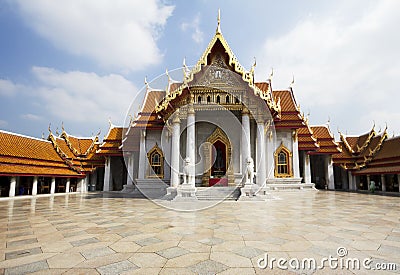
pixel 109 121
pixel 292 83
pixel 219 22
pixel 146 83
pixel 50 127
pixel 184 69
pixel 167 73
pixel 271 74
pixel 253 66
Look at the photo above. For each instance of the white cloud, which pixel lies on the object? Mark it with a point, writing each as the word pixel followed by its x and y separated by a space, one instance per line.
pixel 344 66
pixel 118 34
pixel 31 117
pixel 81 97
pixel 194 27
pixel 3 123
pixel 8 88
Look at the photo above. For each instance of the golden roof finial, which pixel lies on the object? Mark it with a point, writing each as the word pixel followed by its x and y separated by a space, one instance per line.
pixel 62 126
pixel 292 83
pixel 167 73
pixel 168 84
pixel 185 69
pixel 43 135
pixel 146 83
pixel 49 127
pixel 57 133
pixel 109 121
pixel 219 22
pixel 271 74
pixel 253 66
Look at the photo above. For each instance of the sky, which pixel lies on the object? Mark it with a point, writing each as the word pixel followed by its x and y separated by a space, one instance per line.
pixel 81 63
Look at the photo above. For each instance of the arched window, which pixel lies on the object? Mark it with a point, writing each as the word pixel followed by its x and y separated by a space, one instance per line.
pixel 208 99
pixel 227 99
pixel 199 99
pixel 218 99
pixel 156 161
pixel 283 162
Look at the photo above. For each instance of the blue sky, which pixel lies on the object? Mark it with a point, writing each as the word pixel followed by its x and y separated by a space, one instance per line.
pixel 82 62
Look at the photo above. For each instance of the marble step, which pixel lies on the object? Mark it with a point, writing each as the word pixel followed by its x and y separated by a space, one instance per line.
pixel 218 193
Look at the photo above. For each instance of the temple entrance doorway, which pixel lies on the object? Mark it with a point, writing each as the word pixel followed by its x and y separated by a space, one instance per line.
pixel 218 170
pixel 217 160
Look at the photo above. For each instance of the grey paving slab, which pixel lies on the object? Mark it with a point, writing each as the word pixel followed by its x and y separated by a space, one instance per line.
pixel 116 268
pixel 23 253
pixel 98 252
pixel 21 242
pixel 27 268
pixel 84 241
pixel 172 252
pixel 208 267
pixel 148 241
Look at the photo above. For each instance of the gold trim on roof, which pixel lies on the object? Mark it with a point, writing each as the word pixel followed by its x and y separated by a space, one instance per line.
pixel 233 62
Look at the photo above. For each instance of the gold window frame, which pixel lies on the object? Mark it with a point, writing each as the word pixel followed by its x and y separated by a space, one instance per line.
pixel 283 149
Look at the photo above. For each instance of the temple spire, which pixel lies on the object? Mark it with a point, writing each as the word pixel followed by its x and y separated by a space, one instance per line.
pixel 219 22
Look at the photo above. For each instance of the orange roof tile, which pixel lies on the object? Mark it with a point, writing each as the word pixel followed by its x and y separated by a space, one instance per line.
pixel 307 142
pixel 325 139
pixel 30 156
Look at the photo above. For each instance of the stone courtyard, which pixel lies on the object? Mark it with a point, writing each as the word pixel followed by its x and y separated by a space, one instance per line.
pixel 105 233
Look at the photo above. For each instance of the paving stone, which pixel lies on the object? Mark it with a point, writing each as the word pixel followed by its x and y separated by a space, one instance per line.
pixel 20 234
pixel 21 242
pixel 172 252
pixel 116 268
pixel 212 241
pixel 84 241
pixel 208 267
pixel 89 254
pixel 148 241
pixel 249 252
pixel 23 253
pixel 26 268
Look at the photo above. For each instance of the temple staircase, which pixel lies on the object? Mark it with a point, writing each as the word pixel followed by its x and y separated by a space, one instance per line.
pixel 230 193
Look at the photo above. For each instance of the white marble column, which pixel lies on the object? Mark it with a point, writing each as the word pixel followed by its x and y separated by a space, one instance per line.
pixel 107 175
pixel 142 155
pixel 191 142
pixel 352 182
pixel 175 154
pixel 86 182
pixel 34 186
pixel 13 184
pixel 67 185
pixel 296 164
pixel 368 181
pixel 53 186
pixel 329 173
pixel 270 155
pixel 307 168
pixel 383 182
pixel 246 150
pixel 261 161
pixel 129 175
